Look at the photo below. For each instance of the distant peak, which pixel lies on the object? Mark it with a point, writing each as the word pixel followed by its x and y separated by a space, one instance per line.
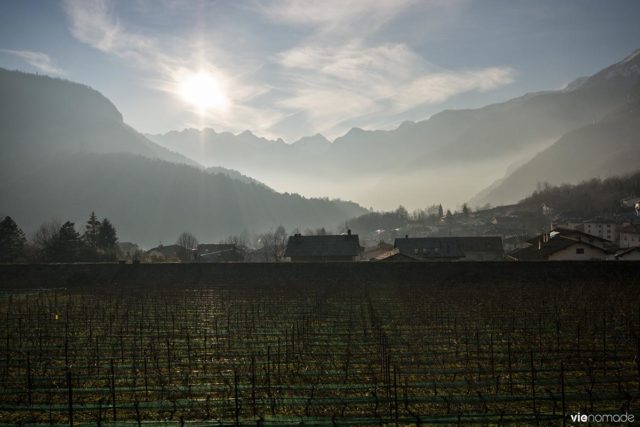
pixel 355 131
pixel 246 133
pixel 406 124
pixel 314 139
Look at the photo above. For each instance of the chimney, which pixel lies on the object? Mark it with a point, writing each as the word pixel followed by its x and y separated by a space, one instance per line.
pixel 349 232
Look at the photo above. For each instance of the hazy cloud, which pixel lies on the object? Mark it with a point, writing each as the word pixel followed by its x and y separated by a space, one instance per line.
pixel 38 60
pixel 92 22
pixel 337 84
pixel 335 15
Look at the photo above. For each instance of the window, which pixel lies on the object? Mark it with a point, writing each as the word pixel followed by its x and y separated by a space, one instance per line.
pixel 580 250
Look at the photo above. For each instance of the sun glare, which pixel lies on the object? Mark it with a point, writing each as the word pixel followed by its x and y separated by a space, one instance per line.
pixel 203 91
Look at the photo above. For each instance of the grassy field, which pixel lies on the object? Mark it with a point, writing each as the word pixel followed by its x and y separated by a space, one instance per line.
pixel 328 354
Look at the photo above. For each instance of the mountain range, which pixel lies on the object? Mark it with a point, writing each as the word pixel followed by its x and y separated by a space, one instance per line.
pixel 66 152
pixel 494 154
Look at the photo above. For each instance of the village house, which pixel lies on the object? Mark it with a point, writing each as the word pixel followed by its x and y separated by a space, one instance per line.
pixel 629 236
pixel 396 256
pixel 472 248
pixel 563 245
pixel 628 254
pixel 212 252
pixel 170 253
pixel 630 202
pixel 382 249
pixel 327 248
pixel 600 227
pixel 581 236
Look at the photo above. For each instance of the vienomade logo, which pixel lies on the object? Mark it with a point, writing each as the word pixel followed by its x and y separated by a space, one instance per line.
pixel 602 418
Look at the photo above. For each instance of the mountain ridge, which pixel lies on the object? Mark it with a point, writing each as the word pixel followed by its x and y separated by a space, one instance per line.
pixel 482 141
pixel 67 152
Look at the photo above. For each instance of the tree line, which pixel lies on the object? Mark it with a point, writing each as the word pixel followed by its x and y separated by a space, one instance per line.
pixel 594 197
pixel 59 242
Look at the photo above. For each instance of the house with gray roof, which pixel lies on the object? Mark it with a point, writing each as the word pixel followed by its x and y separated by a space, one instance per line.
pixel 472 248
pixel 563 245
pixel 222 252
pixel 327 248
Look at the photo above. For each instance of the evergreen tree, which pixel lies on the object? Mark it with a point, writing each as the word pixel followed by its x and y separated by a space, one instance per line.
pixel 107 238
pixel 12 241
pixel 68 246
pixel 465 210
pixel 440 211
pixel 92 228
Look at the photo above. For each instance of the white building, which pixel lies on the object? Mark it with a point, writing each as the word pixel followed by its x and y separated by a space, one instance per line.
pixel 563 245
pixel 629 236
pixel 600 227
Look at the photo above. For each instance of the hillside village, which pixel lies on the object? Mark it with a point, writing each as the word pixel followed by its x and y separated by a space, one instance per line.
pixel 504 233
pixel 588 221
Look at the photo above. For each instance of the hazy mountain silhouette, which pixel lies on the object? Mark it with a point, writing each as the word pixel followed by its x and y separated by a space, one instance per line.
pixel 449 157
pixel 67 152
pixel 41 114
pixel 607 146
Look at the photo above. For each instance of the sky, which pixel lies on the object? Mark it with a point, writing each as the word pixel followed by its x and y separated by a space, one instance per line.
pixel 288 68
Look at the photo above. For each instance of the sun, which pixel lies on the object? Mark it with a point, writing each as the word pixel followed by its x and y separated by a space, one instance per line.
pixel 203 91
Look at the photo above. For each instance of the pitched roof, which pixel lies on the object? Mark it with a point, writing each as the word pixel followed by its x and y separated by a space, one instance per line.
pixel 381 249
pixel 170 251
pixel 429 247
pixel 574 234
pixel 624 252
pixel 212 252
pixel 449 247
pixel 600 220
pixel 543 250
pixel 346 245
pixel 398 257
pixel 207 248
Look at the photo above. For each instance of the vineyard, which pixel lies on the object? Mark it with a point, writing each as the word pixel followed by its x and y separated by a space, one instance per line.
pixel 319 354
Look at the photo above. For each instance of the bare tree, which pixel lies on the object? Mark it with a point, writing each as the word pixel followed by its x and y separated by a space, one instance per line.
pixel 187 241
pixel 274 244
pixel 238 240
pixel 43 239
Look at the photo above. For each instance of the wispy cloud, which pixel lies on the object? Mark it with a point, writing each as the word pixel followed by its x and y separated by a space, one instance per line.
pixel 38 60
pixel 93 22
pixel 341 73
pixel 340 84
pixel 335 16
